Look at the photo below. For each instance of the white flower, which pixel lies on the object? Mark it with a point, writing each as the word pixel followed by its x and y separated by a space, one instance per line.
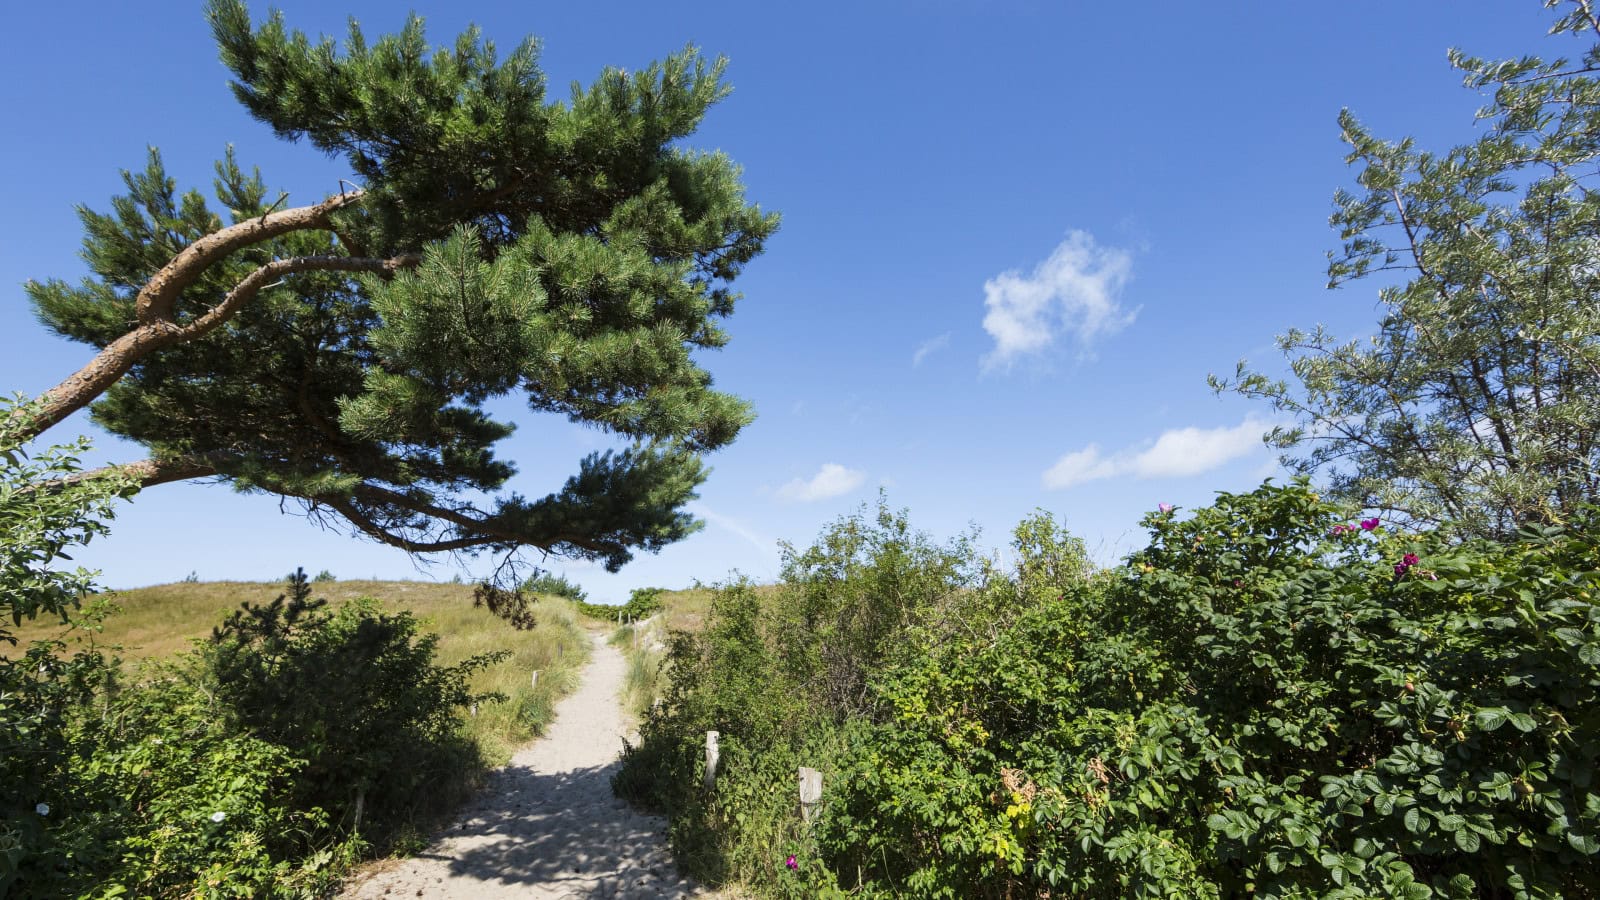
pixel 157 741
pixel 42 809
pixel 218 816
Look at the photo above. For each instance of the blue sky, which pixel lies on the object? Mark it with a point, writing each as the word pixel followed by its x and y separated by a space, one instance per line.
pixel 1016 238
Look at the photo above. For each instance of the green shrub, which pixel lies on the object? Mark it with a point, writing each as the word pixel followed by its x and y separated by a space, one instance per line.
pixel 146 791
pixel 355 693
pixel 237 770
pixel 781 674
pixel 643 603
pixel 558 585
pixel 1269 700
pixel 1254 706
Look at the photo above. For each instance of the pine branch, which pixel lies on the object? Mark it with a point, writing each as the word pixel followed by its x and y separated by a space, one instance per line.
pixel 156 300
pixel 145 472
pixel 85 385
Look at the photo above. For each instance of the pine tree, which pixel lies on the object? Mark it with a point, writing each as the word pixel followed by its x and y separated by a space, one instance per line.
pixel 341 353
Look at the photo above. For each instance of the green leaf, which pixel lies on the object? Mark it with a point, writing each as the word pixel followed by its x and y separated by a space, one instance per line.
pixel 1491 718
pixel 1586 844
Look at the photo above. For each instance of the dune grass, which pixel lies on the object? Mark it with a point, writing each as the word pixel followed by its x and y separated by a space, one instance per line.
pixel 643 646
pixel 163 621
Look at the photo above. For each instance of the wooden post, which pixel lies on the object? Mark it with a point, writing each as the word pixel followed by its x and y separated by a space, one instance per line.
pixel 810 791
pixel 474 710
pixel 713 753
pixel 533 682
pixel 361 807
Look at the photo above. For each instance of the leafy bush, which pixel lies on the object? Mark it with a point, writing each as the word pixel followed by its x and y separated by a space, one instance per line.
pixel 142 789
pixel 643 603
pixel 355 693
pixel 780 674
pixel 38 524
pixel 238 770
pixel 1269 700
pixel 1266 701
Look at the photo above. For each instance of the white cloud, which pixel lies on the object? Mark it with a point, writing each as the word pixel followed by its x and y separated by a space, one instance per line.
pixel 1077 467
pixel 929 347
pixel 1181 452
pixel 1176 453
pixel 1075 291
pixel 830 481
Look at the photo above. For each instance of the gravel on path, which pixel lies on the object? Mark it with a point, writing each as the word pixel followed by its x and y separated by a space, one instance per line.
pixel 548 825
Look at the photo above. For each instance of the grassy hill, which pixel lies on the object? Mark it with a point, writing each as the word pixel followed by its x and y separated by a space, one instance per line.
pixel 162 621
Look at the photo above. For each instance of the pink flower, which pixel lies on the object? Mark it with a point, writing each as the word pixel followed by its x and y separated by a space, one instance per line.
pixel 1410 559
pixel 1164 507
pixel 1369 524
pixel 1342 529
pixel 1400 569
pixel 791 863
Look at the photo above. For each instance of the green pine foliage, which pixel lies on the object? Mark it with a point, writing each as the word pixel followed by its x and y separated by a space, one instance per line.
pixel 556 586
pixel 576 254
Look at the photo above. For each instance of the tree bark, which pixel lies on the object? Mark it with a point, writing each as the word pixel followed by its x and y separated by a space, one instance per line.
pixel 145 472
pixel 82 387
pixel 159 295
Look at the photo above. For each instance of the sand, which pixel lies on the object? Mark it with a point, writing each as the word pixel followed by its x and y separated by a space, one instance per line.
pixel 548 826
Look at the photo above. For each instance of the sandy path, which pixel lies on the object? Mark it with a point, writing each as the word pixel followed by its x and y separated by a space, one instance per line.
pixel 548 826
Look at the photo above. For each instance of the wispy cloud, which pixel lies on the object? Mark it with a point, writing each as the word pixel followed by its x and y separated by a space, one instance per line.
pixel 1080 466
pixel 1077 291
pixel 1176 453
pixel 929 347
pixel 831 480
pixel 767 545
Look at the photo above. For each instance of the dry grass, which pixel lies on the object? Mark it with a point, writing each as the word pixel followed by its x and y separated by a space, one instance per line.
pixel 686 610
pixel 644 643
pixel 159 622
